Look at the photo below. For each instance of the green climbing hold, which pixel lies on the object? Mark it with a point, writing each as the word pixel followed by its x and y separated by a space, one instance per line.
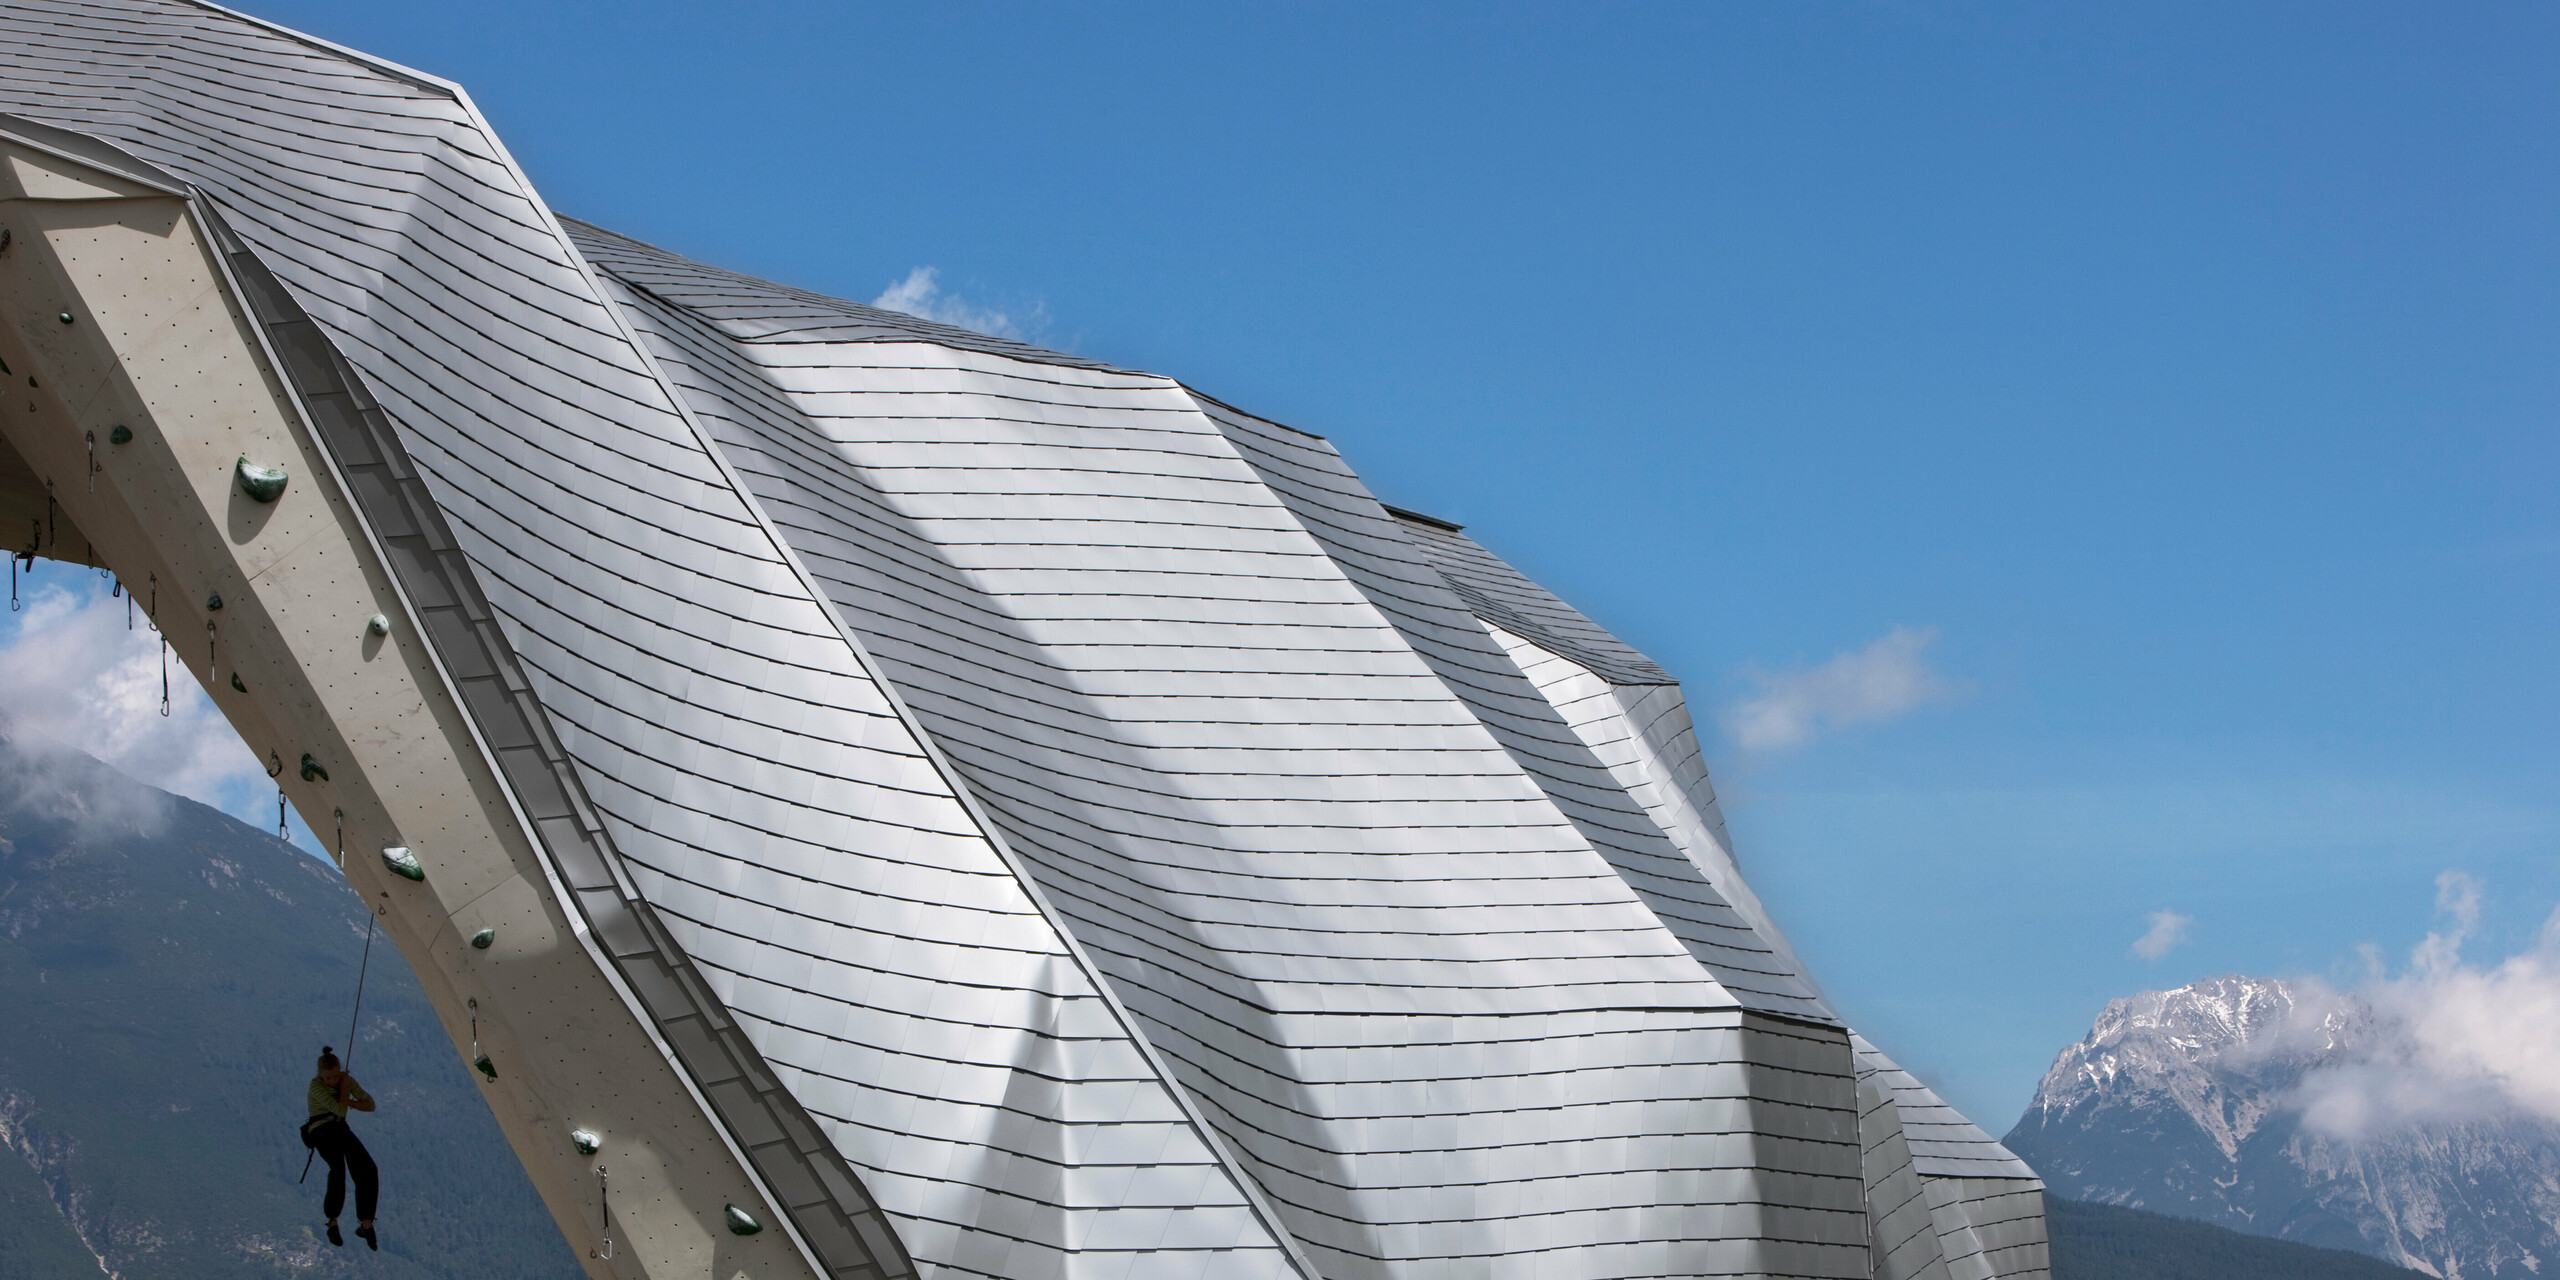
pixel 235 682
pixel 378 625
pixel 403 863
pixel 480 941
pixel 121 435
pixel 312 772
pixel 587 1143
pixel 213 603
pixel 66 317
pixel 741 1223
pixel 262 484
pixel 487 1068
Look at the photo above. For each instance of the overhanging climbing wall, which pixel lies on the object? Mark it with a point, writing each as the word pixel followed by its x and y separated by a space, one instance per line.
pixel 940 806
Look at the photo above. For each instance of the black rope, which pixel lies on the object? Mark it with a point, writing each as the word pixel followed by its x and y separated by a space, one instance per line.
pixel 349 1060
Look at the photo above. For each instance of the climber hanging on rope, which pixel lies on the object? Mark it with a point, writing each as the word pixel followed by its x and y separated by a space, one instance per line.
pixel 333 1093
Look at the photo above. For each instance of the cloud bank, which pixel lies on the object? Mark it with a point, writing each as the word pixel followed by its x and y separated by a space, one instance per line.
pixel 1883 680
pixel 2168 929
pixel 72 673
pixel 2449 1041
pixel 920 295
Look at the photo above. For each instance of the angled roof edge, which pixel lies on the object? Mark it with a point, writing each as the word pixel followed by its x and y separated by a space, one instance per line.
pixel 92 151
pixel 1402 513
pixel 414 78
pixel 840 319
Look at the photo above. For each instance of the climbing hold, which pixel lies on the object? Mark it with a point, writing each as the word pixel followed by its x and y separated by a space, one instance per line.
pixel 66 317
pixel 741 1223
pixel 4 239
pixel 262 484
pixel 121 435
pixel 235 683
pixel 480 941
pixel 487 1068
pixel 403 863
pixel 586 1143
pixel 311 770
pixel 378 625
pixel 213 603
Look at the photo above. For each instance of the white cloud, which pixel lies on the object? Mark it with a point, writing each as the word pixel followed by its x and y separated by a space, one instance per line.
pixel 921 295
pixel 2449 1041
pixel 1879 682
pixel 72 673
pixel 2167 930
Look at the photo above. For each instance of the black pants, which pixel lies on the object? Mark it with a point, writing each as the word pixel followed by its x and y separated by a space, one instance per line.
pixel 346 1155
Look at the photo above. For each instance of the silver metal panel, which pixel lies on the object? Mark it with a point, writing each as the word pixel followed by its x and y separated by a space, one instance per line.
pixel 1549 735
pixel 1943 1143
pixel 1263 811
pixel 1902 1237
pixel 737 749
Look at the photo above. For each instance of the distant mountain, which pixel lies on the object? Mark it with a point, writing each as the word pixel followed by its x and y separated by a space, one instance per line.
pixel 2102 1242
pixel 166 976
pixel 2182 1102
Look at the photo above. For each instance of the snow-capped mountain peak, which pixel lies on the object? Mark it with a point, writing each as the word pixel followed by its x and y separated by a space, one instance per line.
pixel 2190 1102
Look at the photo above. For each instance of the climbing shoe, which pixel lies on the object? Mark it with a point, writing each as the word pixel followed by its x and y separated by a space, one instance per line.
pixel 334 1237
pixel 370 1241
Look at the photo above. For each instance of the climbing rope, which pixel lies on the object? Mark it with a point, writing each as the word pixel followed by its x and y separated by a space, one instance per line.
pixel 349 1061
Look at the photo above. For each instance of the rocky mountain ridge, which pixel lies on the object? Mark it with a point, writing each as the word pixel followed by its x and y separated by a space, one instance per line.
pixel 2191 1102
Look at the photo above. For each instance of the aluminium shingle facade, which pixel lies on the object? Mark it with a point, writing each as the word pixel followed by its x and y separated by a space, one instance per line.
pixel 1095 836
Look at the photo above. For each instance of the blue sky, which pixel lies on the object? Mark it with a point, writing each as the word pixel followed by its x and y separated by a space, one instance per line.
pixel 2180 379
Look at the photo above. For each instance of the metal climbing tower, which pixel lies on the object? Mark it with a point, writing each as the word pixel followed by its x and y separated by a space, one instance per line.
pixel 878 799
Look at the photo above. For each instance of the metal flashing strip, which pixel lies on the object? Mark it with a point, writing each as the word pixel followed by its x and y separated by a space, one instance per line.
pixel 81 149
pixel 826 1207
